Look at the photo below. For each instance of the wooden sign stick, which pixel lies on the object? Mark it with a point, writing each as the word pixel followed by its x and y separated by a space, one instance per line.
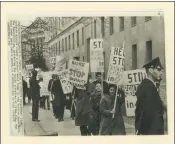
pixel 115 100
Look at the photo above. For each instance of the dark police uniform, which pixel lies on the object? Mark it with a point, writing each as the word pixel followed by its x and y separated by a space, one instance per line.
pixel 149 107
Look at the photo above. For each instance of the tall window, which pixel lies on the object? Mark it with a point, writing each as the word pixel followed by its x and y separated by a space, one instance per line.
pixel 134 56
pixel 56 48
pixel 77 38
pixel 59 46
pixel 73 41
pixel 133 21
pixel 104 61
pixel 121 23
pixel 83 36
pixel 63 45
pixel 66 44
pixel 102 26
pixel 149 50
pixel 111 23
pixel 148 18
pixel 95 28
pixel 69 43
pixel 88 50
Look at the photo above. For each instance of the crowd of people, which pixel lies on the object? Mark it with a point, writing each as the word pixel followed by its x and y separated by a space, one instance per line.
pixel 95 109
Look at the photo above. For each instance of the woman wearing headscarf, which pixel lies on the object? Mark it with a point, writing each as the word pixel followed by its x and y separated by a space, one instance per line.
pixel 110 125
pixel 95 109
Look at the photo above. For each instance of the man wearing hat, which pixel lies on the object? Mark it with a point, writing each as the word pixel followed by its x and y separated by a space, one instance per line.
pixel 149 107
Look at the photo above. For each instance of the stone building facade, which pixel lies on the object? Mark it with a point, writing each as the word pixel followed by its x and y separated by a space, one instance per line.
pixel 143 38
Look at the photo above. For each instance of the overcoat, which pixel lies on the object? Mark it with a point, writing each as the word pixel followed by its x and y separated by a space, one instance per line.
pixel 59 97
pixel 35 89
pixel 149 109
pixel 109 125
pixel 82 107
pixel 94 115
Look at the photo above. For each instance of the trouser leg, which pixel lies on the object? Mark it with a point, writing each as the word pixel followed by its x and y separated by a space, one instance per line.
pixel 48 102
pixel 37 108
pixel 57 110
pixel 34 109
pixel 62 111
pixel 53 108
pixel 84 130
pixel 44 102
pixel 24 95
pixel 73 112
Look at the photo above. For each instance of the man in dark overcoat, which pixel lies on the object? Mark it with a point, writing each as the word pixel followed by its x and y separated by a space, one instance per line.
pixel 149 107
pixel 49 88
pixel 59 99
pixel 35 91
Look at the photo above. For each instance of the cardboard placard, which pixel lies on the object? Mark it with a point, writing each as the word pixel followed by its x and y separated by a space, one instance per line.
pixel 78 72
pixel 116 65
pixel 96 55
pixel 131 80
pixel 65 83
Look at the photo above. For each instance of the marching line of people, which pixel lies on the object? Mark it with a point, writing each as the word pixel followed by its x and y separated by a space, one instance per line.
pixel 93 108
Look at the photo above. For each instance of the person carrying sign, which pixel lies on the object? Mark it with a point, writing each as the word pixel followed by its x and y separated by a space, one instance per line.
pixel 149 108
pixel 98 80
pixel 110 125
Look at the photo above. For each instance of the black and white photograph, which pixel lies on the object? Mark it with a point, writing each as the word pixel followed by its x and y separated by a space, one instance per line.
pixel 94 75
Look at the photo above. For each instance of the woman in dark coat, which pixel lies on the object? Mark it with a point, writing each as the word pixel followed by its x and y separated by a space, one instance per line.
pixel 59 99
pixel 82 110
pixel 109 125
pixel 95 109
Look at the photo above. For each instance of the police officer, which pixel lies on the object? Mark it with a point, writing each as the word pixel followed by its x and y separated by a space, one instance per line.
pixel 149 107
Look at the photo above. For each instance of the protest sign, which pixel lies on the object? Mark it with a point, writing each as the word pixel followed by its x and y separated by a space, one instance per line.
pixel 96 55
pixel 116 65
pixel 53 60
pixel 60 63
pixel 29 67
pixel 131 80
pixel 78 72
pixel 65 83
pixel 44 84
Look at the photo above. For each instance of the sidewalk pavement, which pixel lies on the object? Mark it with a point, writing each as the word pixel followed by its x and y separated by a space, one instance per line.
pixel 49 124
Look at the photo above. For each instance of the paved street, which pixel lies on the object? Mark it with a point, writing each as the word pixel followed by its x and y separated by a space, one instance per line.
pixel 49 124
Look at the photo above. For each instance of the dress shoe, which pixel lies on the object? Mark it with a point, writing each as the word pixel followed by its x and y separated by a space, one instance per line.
pixel 59 120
